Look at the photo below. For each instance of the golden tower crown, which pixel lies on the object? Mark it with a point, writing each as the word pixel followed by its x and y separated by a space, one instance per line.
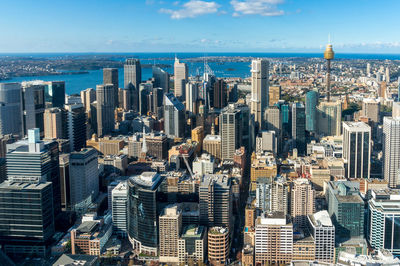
pixel 329 54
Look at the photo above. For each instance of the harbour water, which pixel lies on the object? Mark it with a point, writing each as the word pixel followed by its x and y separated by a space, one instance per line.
pixel 77 82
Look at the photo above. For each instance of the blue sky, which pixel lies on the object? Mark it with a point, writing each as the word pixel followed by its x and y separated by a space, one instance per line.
pixel 362 26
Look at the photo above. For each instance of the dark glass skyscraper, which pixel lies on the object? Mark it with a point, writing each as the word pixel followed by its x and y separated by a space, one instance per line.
pixel 55 93
pixel 299 127
pixel 220 98
pixel 311 110
pixel 143 212
pixel 110 76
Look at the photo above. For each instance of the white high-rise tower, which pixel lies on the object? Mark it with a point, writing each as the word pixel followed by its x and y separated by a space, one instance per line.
pixel 259 89
pixel 391 150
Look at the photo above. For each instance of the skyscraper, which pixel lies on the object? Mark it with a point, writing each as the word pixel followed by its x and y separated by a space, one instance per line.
pixel 384 220
pixel 302 201
pixel 11 109
pixel 323 232
pixel 105 109
pixel 220 94
pixel 33 105
pixel 132 79
pixel 391 151
pixel 357 149
pixel 218 245
pixel 174 116
pixel 35 161
pixel 143 212
pixel 84 178
pixel 110 76
pixel 76 126
pixel 259 89
pixel 170 227
pixel 346 208
pixel 88 96
pixel 161 78
pixel 371 109
pixel 180 78
pixel 26 218
pixel 191 97
pixel 119 205
pixel 329 118
pixel 273 239
pixel 215 202
pixel 55 93
pixel 311 110
pixel 54 123
pixel 234 129
pixel 299 127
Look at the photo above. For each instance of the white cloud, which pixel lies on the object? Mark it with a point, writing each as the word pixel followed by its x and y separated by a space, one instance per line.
pixel 257 7
pixel 191 9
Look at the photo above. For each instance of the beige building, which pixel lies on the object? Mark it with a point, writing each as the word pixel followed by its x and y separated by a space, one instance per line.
pixel 218 245
pixel 262 165
pixel 302 201
pixel 170 225
pixel 274 240
pixel 304 249
pixel 370 109
pixel 88 96
pixel 53 123
pixel 180 78
pixel 212 145
pixel 198 136
pixel 274 95
pixel 192 245
pixel 259 89
pixel 106 145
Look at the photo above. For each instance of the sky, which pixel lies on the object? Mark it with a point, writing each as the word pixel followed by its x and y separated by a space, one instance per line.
pixel 354 26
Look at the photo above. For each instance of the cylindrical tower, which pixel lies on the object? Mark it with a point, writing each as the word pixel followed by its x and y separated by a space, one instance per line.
pixel 328 55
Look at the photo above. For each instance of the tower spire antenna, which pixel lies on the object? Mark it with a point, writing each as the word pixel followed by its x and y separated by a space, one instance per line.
pixel 329 38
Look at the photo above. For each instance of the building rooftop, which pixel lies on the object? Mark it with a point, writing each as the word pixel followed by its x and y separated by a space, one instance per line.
pixel 193 231
pixel 24 185
pixel 321 218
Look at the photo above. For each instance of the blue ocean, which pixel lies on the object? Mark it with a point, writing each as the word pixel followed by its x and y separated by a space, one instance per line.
pixel 78 82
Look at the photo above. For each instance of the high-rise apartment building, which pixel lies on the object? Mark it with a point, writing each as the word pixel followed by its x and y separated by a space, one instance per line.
pixel 11 109
pixel 259 89
pixel 302 204
pixel 311 110
pixel 180 78
pixel 273 121
pixel 76 126
pixel 391 151
pixel 299 127
pixel 143 229
pixel 132 79
pixel 26 218
pixel 212 145
pixel 273 239
pixel 357 149
pixel 174 116
pixel 84 178
pixel 110 76
pixel 105 109
pixel 323 232
pixel 170 226
pixel 329 118
pixel 119 207
pixel 55 93
pixel 215 201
